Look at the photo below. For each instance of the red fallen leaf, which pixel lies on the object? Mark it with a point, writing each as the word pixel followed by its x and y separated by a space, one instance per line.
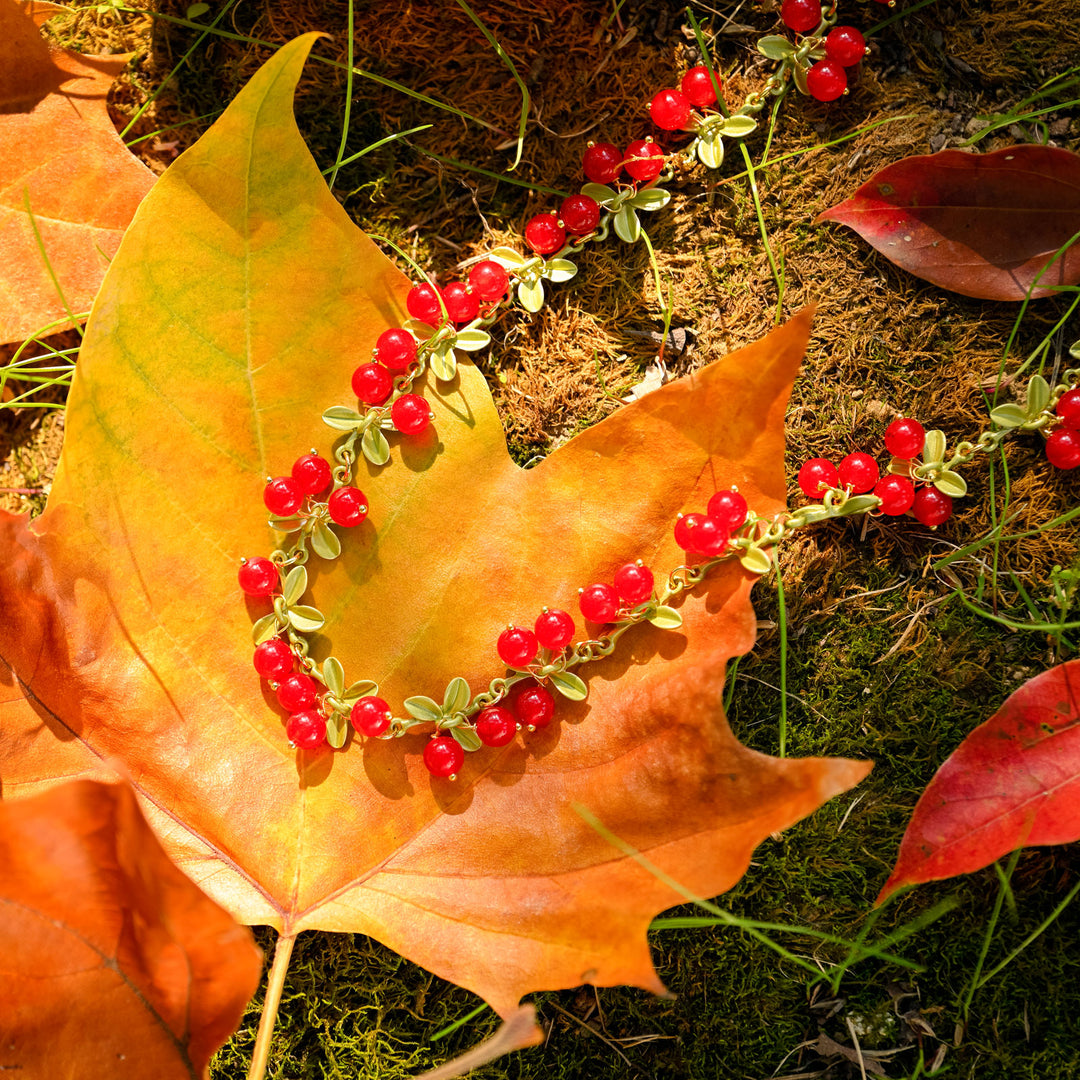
pixel 984 225
pixel 1013 782
pixel 241 301
pixel 112 963
pixel 63 157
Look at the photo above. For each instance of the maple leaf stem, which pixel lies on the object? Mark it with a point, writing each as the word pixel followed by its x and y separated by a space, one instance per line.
pixel 278 970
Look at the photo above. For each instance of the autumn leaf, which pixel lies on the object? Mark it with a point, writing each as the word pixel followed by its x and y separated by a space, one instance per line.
pixel 113 963
pixel 985 225
pixel 63 159
pixel 1013 782
pixel 239 305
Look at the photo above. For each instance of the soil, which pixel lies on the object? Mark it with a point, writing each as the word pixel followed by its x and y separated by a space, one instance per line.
pixel 883 659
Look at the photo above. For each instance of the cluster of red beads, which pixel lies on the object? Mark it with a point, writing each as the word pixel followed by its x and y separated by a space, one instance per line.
pixel 858 474
pixel 601 602
pixel 553 629
pixel 286 495
pixel 1063 444
pixel 672 109
pixel 844 48
pixel 709 534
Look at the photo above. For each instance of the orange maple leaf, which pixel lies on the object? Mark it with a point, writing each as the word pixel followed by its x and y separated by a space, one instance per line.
pixel 63 170
pixel 236 311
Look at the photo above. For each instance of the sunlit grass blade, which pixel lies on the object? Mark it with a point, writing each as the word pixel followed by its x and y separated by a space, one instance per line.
pixel 374 146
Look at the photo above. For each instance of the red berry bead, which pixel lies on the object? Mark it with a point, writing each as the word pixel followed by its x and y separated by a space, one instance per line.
pixel 423 304
pixel 634 583
pixel 273 659
pixel 554 629
pixel 697 87
pixel 931 507
pixel 296 692
pixel 489 280
pixel 283 496
pixel 599 603
pixel 644 160
pixel 1063 448
pixel 462 304
pixel 306 729
pixel 410 414
pixel 826 80
pixel 602 163
pixel 1068 408
pixel 258 576
pixel 816 475
pixel 312 473
pixel 905 438
pixel 370 716
pixel 896 493
pixel 802 16
pixel 535 707
pixel 728 507
pixel 443 756
pixel 858 473
pixel 495 726
pixel 710 537
pixel 579 214
pixel 544 234
pixel 372 383
pixel 517 646
pixel 395 349
pixel 347 506
pixel 845 46
pixel 684 529
pixel 669 110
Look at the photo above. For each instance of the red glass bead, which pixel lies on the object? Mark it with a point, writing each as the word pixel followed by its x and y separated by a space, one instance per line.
pixel 297 692
pixel 544 234
pixel 634 583
pixel 535 706
pixel 669 110
pixel 283 496
pixel 443 756
pixel 517 646
pixel 697 87
pixel 1068 408
pixel 579 214
pixel 370 716
pixel 273 659
pixel 932 507
pixel 602 163
pixel 312 473
pixel 495 726
pixel 372 383
pixel 826 80
pixel 599 603
pixel 817 475
pixel 462 304
pixel 644 160
pixel 905 438
pixel 306 729
pixel 395 349
pixel 684 529
pixel 802 16
pixel 728 507
pixel 710 537
pixel 347 506
pixel 896 493
pixel 845 45
pixel 554 629
pixel 258 576
pixel 1063 448
pixel 422 302
pixel 489 280
pixel 410 414
pixel 858 473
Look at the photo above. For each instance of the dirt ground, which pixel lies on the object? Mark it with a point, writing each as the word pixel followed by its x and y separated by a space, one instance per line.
pixel 882 659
